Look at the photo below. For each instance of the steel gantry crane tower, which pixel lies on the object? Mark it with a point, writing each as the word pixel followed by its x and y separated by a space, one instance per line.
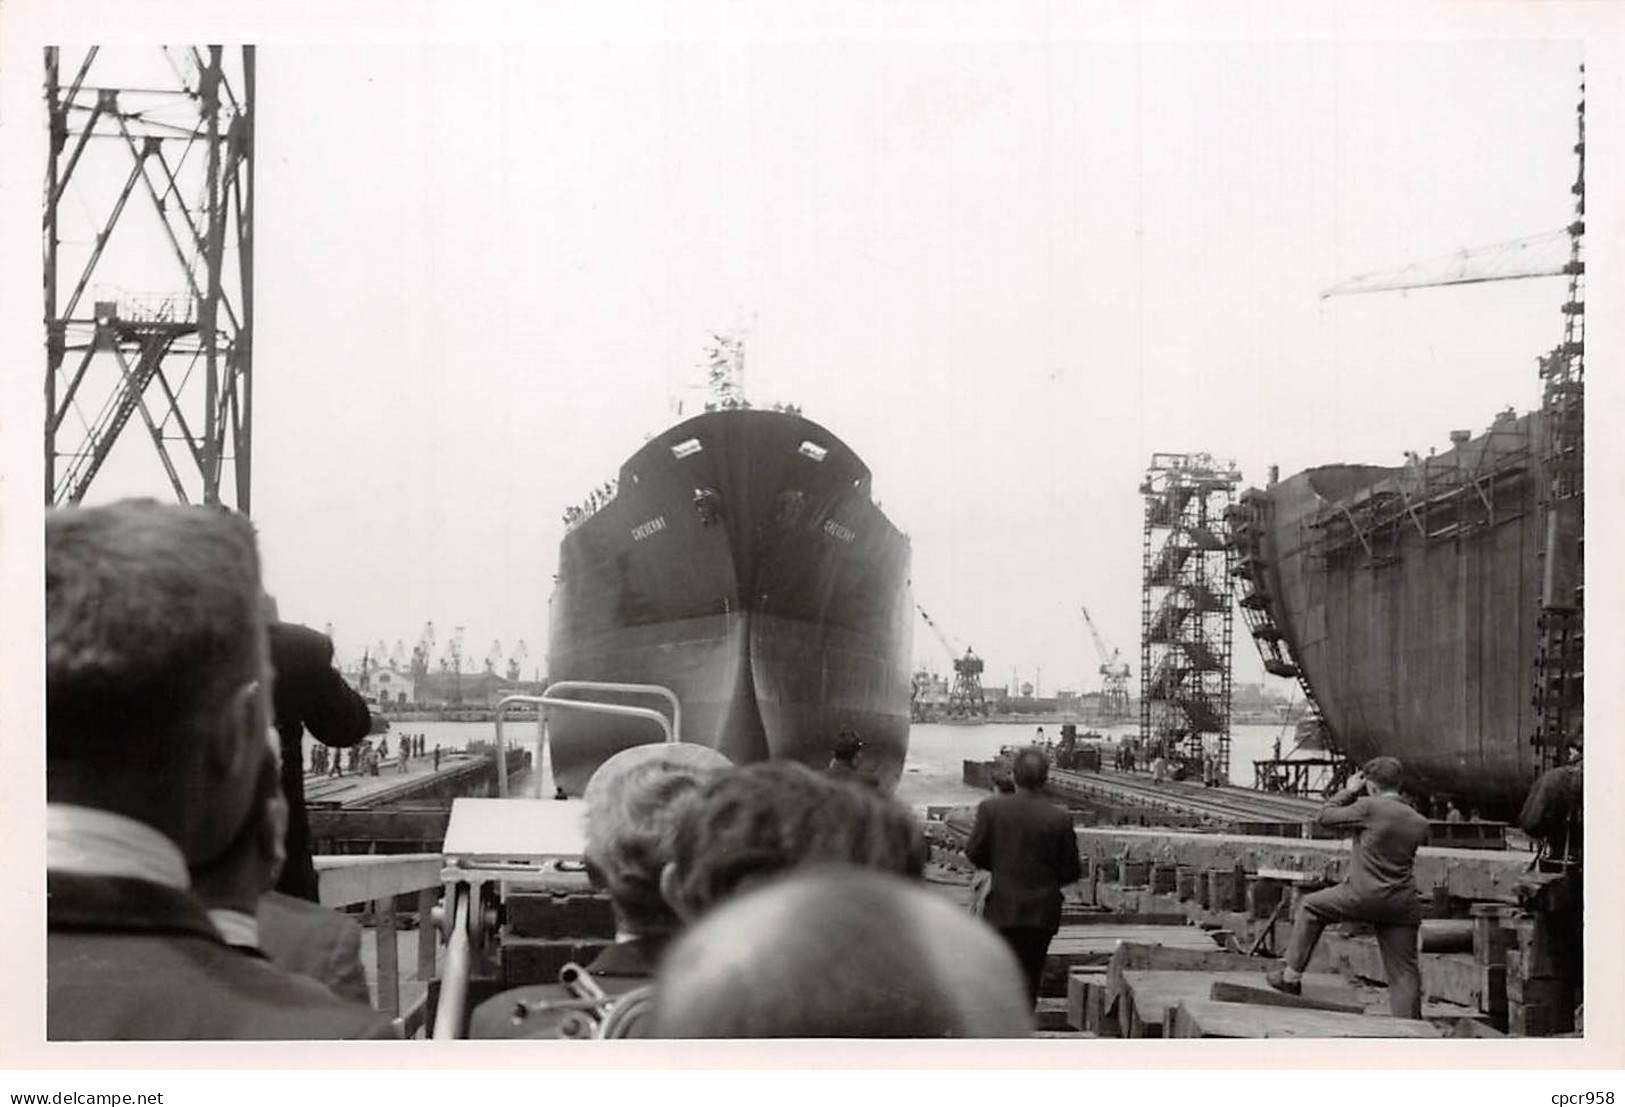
pixel 1185 608
pixel 148 242
pixel 1114 674
pixel 966 697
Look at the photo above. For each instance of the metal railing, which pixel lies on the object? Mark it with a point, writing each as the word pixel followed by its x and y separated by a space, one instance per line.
pixel 671 730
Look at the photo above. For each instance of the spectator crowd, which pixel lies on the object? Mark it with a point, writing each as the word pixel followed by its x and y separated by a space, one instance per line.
pixel 756 900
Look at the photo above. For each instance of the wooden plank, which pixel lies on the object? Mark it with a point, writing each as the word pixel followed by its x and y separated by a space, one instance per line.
pixel 344 880
pixel 428 933
pixel 1229 991
pixel 1148 995
pixel 1074 917
pixel 1140 956
pixel 1199 1018
pixel 389 972
pixel 1498 875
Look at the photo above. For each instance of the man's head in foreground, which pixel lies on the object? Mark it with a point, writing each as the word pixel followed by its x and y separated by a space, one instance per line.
pixel 755 822
pixel 1382 775
pixel 633 800
pixel 840 953
pixel 1030 770
pixel 156 670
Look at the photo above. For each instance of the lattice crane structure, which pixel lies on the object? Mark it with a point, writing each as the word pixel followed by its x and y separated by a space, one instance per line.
pixel 149 266
pixel 965 697
pixel 1559 679
pixel 1114 674
pixel 1186 608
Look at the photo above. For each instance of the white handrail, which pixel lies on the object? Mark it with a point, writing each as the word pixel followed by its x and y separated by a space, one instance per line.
pixel 448 1013
pixel 670 729
pixel 634 689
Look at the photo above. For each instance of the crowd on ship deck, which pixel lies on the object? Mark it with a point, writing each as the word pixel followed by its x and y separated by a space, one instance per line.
pixel 596 499
pixel 758 900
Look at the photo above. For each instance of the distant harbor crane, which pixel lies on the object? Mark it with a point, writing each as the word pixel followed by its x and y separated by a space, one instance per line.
pixel 516 663
pixel 423 651
pixel 1114 674
pixel 965 698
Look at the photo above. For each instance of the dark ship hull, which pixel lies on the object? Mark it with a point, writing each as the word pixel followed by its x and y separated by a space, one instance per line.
pixel 742 564
pixel 1408 600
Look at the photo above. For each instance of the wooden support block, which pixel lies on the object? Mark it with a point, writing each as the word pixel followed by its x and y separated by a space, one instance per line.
pixel 1132 956
pixel 1535 1020
pixel 1051 1014
pixel 1210 1019
pixel 1264 894
pixel 1230 890
pixel 1540 949
pixel 1446 936
pixel 1098 1016
pixel 1545 991
pixel 1185 882
pixel 1491 934
pixel 1078 985
pixel 1148 995
pixel 1231 992
pixel 1490 996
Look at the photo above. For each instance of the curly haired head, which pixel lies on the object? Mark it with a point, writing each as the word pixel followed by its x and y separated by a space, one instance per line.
pixel 760 820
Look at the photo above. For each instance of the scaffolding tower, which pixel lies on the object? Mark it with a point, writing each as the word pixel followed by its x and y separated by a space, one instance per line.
pixel 149 213
pixel 1559 693
pixel 1186 613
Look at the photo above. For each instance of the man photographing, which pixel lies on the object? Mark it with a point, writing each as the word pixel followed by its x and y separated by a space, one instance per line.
pixel 1379 889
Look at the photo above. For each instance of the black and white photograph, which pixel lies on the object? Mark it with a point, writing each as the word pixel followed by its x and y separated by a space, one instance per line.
pixel 834 526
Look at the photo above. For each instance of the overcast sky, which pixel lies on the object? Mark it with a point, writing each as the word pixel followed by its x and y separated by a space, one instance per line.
pixel 1004 273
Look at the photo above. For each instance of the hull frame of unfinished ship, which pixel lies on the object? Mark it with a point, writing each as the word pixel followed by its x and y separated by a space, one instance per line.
pixel 1408 600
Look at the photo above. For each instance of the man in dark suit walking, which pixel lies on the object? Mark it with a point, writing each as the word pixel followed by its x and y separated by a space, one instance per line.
pixel 159 766
pixel 308 693
pixel 1028 845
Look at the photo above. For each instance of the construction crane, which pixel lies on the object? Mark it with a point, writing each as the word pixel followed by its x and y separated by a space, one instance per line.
pixel 517 661
pixel 1541 255
pixel 1114 673
pixel 423 651
pixel 965 698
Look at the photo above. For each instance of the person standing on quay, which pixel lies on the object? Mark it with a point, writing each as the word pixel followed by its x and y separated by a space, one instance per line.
pixel 1379 889
pixel 307 694
pixel 1028 845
